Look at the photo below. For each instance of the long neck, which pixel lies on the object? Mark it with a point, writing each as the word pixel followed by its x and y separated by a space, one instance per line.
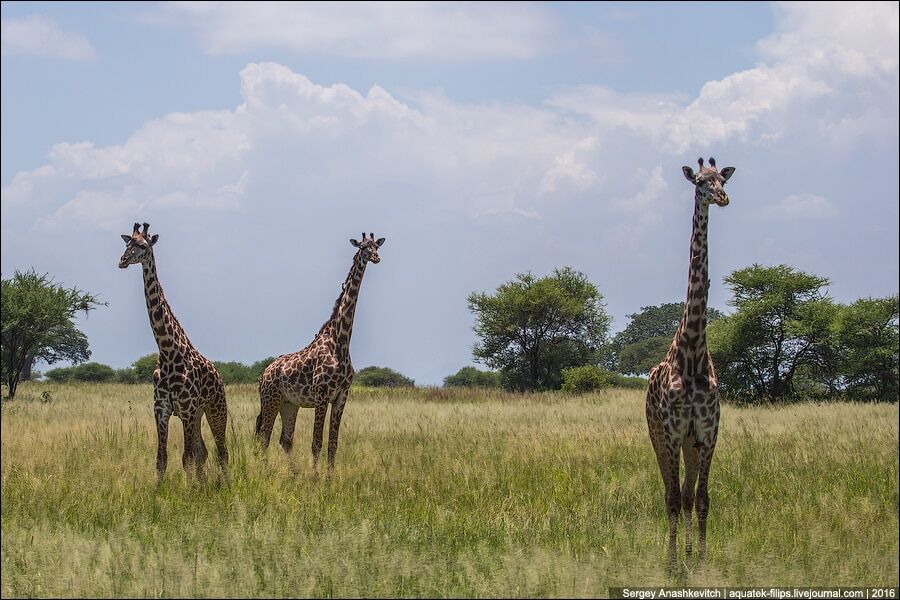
pixel 170 337
pixel 689 345
pixel 340 324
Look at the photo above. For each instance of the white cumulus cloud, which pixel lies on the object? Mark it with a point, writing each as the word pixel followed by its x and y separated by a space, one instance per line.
pixel 41 36
pixel 801 206
pixel 829 71
pixel 371 30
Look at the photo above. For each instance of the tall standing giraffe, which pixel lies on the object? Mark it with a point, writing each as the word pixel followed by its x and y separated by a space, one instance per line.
pixel 185 383
pixel 682 393
pixel 319 374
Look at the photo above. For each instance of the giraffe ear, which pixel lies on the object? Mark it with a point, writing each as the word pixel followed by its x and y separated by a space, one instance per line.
pixel 126 238
pixel 354 243
pixel 726 173
pixel 154 239
pixel 379 242
pixel 688 174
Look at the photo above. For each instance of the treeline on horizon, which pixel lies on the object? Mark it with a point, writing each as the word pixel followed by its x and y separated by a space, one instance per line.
pixel 784 340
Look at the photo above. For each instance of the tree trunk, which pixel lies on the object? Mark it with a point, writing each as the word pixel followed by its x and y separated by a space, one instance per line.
pixel 25 374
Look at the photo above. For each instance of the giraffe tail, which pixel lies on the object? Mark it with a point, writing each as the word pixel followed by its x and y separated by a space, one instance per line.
pixel 259 423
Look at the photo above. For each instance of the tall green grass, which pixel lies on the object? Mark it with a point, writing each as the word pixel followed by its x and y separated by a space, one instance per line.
pixel 436 493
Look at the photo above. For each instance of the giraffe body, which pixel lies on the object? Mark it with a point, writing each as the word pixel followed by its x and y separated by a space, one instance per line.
pixel 682 393
pixel 318 375
pixel 185 383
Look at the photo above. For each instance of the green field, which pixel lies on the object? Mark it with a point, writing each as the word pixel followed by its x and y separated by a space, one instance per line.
pixel 436 494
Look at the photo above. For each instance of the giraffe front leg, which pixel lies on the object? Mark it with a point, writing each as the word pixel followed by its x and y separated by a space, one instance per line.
pixel 188 457
pixel 337 410
pixel 162 413
pixel 318 427
pixel 288 422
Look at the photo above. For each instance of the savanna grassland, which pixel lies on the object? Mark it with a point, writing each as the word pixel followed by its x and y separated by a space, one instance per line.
pixel 436 494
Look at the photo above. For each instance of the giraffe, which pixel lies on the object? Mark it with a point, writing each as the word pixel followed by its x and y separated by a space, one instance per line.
pixel 185 383
pixel 682 393
pixel 319 374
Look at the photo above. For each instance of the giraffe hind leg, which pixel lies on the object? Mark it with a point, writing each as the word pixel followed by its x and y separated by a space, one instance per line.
pixel 691 464
pixel 269 404
pixel 217 418
pixel 200 452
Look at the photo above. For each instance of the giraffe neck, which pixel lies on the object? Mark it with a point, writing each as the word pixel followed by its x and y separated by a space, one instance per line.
pixel 170 337
pixel 341 322
pixel 689 351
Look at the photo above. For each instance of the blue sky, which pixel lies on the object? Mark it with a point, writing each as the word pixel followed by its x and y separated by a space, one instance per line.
pixel 482 140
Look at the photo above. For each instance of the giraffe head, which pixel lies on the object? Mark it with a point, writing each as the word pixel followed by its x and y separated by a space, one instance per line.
pixel 709 182
pixel 368 248
pixel 138 246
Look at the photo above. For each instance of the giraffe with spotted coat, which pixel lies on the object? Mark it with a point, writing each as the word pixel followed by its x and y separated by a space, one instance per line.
pixel 185 383
pixel 682 395
pixel 321 373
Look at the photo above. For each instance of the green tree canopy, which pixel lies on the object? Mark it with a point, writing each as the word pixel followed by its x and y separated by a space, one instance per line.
pixel 144 367
pixel 472 377
pixel 381 377
pixel 532 328
pixel 38 323
pixel 867 338
pixel 781 328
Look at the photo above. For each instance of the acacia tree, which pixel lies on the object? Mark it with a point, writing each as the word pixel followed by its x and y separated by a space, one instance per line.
pixel 867 338
pixel 781 328
pixel 38 323
pixel 532 328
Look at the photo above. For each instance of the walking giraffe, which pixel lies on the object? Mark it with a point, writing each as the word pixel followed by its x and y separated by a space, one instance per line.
pixel 185 383
pixel 682 393
pixel 319 374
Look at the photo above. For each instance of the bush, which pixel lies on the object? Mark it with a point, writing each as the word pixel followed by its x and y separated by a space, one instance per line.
pixel 472 377
pixel 381 377
pixel 126 375
pixel 59 374
pixel 144 367
pixel 587 378
pixel 89 372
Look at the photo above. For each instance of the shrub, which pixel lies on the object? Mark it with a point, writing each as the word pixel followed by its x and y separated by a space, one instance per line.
pixel 472 377
pixel 144 367
pixel 90 372
pixel 126 375
pixel 381 377
pixel 587 378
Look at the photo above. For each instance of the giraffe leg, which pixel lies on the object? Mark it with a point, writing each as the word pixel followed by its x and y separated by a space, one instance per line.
pixel 269 403
pixel 188 457
pixel 687 490
pixel 337 410
pixel 705 453
pixel 200 452
pixel 318 427
pixel 288 422
pixel 217 417
pixel 162 412
pixel 667 458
